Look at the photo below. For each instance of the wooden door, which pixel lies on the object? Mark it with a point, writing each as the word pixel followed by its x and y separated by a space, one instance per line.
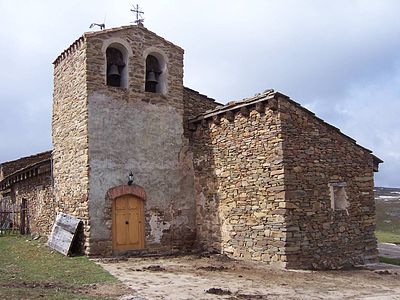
pixel 128 223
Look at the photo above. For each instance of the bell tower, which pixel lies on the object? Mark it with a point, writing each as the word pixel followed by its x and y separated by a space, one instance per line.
pixel 118 108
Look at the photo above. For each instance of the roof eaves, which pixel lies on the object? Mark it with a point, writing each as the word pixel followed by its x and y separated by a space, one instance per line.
pixel 234 105
pixel 38 163
pixel 29 156
pixel 25 169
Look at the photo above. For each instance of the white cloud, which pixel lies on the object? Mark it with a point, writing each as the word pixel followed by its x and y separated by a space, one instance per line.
pixel 369 113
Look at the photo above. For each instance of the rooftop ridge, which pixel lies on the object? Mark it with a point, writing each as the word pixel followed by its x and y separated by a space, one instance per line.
pixel 266 96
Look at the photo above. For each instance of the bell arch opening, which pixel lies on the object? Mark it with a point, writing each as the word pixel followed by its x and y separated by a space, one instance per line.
pixel 155 80
pixel 116 68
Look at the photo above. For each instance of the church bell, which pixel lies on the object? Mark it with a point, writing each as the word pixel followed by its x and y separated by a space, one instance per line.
pixel 113 71
pixel 113 76
pixel 151 77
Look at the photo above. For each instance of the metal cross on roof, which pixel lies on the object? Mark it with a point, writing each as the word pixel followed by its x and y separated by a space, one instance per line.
pixel 136 10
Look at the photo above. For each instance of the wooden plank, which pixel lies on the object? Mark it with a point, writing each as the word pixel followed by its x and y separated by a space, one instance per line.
pixel 63 233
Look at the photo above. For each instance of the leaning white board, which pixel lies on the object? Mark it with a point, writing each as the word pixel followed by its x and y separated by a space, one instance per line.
pixel 63 233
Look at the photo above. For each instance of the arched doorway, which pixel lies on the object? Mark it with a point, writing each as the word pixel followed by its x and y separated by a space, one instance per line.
pixel 128 223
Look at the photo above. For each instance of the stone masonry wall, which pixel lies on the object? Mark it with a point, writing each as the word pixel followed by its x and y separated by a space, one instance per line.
pixel 239 181
pixel 142 132
pixel 38 191
pixel 316 154
pixel 194 104
pixel 70 134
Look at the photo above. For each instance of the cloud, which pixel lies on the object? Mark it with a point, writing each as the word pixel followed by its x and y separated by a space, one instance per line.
pixel 370 112
pixel 339 58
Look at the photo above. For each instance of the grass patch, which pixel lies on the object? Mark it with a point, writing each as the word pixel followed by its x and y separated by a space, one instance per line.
pixel 388 260
pixel 387 218
pixel 30 270
pixel 387 237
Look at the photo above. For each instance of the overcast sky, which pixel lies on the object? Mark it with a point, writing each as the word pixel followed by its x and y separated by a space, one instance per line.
pixel 341 59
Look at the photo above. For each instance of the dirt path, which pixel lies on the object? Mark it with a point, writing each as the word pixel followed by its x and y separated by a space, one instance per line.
pixel 216 277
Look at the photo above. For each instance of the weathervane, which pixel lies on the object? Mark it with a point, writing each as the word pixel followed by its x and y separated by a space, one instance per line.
pixel 136 10
pixel 102 26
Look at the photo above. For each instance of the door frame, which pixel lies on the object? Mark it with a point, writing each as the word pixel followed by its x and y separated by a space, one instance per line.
pixel 111 195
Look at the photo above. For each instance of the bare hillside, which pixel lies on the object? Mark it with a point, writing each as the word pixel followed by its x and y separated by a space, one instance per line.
pixel 388 214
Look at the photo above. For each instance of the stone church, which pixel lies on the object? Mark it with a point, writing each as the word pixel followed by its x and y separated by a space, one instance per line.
pixel 153 167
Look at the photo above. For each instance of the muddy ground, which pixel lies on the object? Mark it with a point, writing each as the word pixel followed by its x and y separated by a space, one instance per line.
pixel 217 277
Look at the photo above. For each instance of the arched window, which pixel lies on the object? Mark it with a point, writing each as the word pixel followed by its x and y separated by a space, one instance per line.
pixel 155 74
pixel 116 56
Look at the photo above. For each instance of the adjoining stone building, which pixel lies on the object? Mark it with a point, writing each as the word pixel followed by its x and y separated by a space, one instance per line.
pixel 26 183
pixel 261 179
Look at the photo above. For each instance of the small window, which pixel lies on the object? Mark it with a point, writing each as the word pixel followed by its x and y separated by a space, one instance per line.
pixel 338 196
pixel 115 67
